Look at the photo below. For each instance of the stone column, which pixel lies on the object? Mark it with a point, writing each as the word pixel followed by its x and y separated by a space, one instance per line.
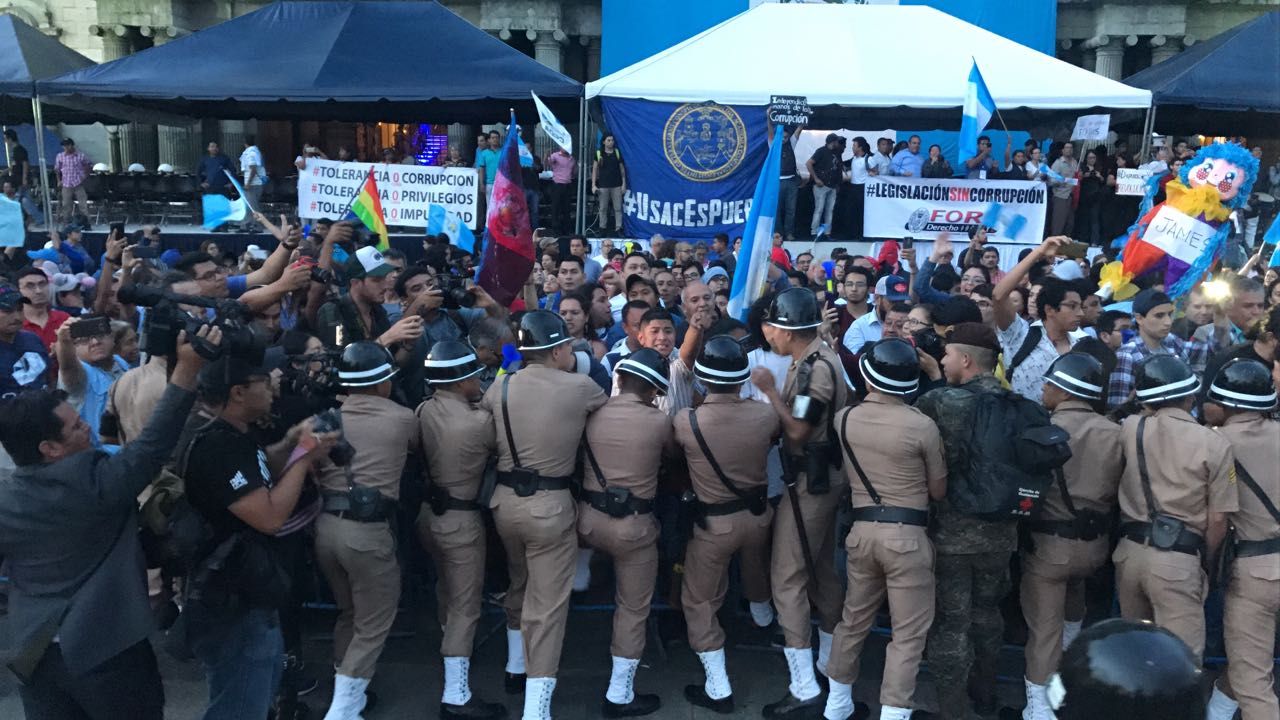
pixel 1111 59
pixel 138 141
pixel 114 47
pixel 593 59
pixel 231 138
pixel 1163 48
pixel 546 48
pixel 176 145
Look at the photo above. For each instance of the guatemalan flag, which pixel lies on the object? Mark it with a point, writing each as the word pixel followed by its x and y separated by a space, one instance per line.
pixel 508 237
pixel 443 221
pixel 978 109
pixel 757 238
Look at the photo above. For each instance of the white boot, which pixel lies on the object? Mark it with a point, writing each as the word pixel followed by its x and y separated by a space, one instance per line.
pixel 582 573
pixel 839 702
pixel 537 698
pixel 717 685
pixel 1070 629
pixel 1037 702
pixel 348 698
pixel 824 650
pixel 888 712
pixel 622 682
pixel 515 652
pixel 804 686
pixel 457 685
pixel 762 614
pixel 1221 706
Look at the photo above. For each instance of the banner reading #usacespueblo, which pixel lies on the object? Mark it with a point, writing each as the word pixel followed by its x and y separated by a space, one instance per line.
pixel 691 168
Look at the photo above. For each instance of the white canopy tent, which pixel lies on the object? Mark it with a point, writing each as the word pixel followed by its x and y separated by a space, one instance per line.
pixel 854 56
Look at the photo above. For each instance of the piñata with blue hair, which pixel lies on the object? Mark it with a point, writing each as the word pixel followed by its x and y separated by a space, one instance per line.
pixel 1186 233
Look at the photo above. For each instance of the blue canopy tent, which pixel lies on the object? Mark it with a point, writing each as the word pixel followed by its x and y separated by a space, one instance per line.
pixel 1228 85
pixel 352 61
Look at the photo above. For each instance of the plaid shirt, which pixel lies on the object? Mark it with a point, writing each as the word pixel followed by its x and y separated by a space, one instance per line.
pixel 73 169
pixel 1194 352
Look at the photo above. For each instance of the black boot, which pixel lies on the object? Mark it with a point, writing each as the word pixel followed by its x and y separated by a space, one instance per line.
pixel 792 707
pixel 641 704
pixel 514 683
pixel 697 695
pixel 473 709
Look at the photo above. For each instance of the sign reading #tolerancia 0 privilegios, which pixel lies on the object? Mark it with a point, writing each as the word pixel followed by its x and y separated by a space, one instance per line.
pixel 923 208
pixel 325 189
pixel 691 167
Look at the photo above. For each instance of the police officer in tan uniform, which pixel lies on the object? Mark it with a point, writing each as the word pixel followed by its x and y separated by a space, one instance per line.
pixel 355 544
pixel 894 459
pixel 1240 401
pixel 1070 534
pixel 539 414
pixel 624 445
pixel 802 568
pixel 457 437
pixel 726 442
pixel 1176 492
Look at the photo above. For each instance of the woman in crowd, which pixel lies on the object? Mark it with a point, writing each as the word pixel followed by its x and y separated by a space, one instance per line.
pixel 1035 158
pixel 575 309
pixel 126 342
pixel 609 183
pixel 1019 298
pixel 1119 211
pixel 1273 294
pixel 936 166
pixel 454 158
pixel 1093 196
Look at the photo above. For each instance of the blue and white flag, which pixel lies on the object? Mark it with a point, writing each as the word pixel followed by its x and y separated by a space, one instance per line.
pixel 752 275
pixel 1273 233
pixel 442 221
pixel 240 189
pixel 978 110
pixel 552 126
pixel 219 209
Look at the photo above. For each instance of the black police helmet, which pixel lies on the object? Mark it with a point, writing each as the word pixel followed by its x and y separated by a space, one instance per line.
pixel 542 330
pixel 451 361
pixel 794 309
pixel 1245 384
pixel 891 366
pixel 1078 374
pixel 1130 670
pixel 649 366
pixel 1164 377
pixel 365 363
pixel 723 361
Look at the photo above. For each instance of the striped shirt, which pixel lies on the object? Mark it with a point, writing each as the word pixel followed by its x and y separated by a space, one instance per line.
pixel 680 391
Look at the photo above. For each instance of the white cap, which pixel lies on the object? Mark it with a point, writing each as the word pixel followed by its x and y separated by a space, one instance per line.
pixel 137 167
pixel 165 168
pixel 100 167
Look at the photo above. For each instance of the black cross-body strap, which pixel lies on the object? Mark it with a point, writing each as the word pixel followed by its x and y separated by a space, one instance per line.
pixel 1066 496
pixel 866 484
pixel 702 443
pixel 1253 485
pixel 1152 508
pixel 506 423
pixel 591 457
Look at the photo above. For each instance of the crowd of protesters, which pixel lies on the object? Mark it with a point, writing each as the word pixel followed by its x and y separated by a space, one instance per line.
pixel 323 402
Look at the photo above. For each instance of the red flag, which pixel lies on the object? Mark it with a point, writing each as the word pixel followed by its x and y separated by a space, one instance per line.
pixel 508 235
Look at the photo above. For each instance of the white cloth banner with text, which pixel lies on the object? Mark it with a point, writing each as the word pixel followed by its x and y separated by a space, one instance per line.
pixel 1132 181
pixel 326 187
pixel 922 208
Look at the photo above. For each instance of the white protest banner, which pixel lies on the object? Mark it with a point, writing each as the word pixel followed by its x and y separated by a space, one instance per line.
pixel 923 208
pixel 1178 234
pixel 1132 181
pixel 326 187
pixel 1092 127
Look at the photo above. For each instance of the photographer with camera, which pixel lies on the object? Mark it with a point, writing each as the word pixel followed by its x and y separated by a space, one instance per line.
pixel 78 610
pixel 245 492
pixel 355 540
pixel 359 315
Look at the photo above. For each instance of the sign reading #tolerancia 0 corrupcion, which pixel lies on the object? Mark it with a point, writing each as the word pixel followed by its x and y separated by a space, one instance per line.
pixel 325 189
pixel 923 208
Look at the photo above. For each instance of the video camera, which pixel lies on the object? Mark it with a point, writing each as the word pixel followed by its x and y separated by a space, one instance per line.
pixel 454 292
pixel 164 320
pixel 304 381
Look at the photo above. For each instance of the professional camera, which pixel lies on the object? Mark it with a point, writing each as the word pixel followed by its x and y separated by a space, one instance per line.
pixel 308 381
pixel 165 319
pixel 929 342
pixel 454 290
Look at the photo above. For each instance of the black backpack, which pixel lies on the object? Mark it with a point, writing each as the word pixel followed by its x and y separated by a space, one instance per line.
pixel 1012 452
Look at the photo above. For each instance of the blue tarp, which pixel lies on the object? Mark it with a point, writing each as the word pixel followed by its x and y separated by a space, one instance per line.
pixel 393 61
pixel 28 55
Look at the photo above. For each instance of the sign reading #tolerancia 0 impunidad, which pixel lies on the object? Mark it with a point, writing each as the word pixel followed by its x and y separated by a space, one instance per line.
pixel 922 208
pixel 325 189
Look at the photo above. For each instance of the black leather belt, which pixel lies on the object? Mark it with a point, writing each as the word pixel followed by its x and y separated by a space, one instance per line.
pixel 890 514
pixel 733 506
pixel 528 482
pixel 633 505
pixel 1140 532
pixel 1066 529
pixel 338 506
pixel 1254 548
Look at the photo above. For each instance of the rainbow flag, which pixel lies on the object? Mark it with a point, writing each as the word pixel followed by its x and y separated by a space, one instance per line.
pixel 368 207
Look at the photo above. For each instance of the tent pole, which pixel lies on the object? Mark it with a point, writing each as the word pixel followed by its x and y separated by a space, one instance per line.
pixel 1148 127
pixel 580 223
pixel 37 115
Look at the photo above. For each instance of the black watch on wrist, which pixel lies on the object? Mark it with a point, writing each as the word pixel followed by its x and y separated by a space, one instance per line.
pixel 113 260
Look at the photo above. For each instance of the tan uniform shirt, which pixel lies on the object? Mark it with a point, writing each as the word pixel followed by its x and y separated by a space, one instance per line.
pixel 1256 442
pixel 1190 467
pixel 898 447
pixel 457 439
pixel 548 409
pixel 739 433
pixel 1096 464
pixel 823 385
pixel 383 434
pixel 134 397
pixel 628 439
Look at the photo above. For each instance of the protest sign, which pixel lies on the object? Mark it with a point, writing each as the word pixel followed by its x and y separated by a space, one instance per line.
pixel 1092 127
pixel 789 110
pixel 924 208
pixel 1132 181
pixel 326 187
pixel 1178 234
